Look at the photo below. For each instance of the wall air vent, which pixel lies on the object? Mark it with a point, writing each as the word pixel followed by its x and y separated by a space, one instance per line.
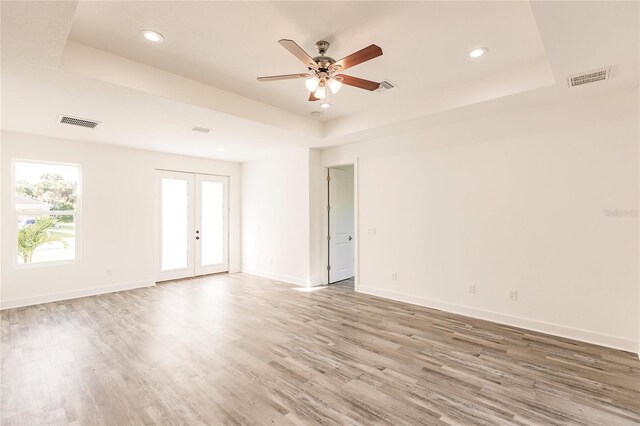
pixel 385 85
pixel 589 77
pixel 75 121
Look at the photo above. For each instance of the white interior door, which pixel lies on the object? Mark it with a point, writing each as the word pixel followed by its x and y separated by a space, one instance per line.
pixel 341 224
pixel 193 222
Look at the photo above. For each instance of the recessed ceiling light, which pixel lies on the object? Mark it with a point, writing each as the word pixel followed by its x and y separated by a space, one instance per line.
pixel 153 36
pixel 221 149
pixel 325 106
pixel 476 53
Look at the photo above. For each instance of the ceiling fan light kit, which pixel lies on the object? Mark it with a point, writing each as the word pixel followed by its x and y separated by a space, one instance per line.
pixel 325 71
pixel 320 92
pixel 335 84
pixel 312 84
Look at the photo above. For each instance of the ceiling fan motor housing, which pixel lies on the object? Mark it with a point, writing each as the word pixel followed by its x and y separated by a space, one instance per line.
pixel 324 72
pixel 324 62
pixel 322 46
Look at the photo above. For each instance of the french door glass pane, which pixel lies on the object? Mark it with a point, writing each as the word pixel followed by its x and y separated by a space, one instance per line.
pixel 174 223
pixel 212 240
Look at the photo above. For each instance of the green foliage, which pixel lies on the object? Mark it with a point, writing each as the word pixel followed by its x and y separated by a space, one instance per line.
pixel 52 189
pixel 33 236
pixel 24 188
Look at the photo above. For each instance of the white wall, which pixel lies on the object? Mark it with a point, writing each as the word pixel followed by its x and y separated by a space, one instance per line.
pixel 510 201
pixel 117 231
pixel 276 216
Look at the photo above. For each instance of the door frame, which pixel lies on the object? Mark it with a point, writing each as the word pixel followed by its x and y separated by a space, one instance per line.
pixel 158 220
pixel 356 222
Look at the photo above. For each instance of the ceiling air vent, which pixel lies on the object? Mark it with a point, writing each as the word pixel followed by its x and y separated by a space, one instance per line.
pixel 201 129
pixel 385 85
pixel 75 121
pixel 589 77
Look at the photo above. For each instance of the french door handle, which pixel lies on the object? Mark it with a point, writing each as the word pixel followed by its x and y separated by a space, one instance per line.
pixel 350 238
pixel 197 238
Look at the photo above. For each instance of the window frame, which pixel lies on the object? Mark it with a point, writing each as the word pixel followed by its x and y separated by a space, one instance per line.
pixel 15 215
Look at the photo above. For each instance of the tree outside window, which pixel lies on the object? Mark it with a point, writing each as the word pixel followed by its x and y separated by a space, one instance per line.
pixel 46 205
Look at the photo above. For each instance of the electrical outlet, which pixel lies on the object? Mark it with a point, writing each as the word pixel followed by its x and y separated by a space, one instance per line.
pixel 394 276
pixel 472 288
pixel 513 294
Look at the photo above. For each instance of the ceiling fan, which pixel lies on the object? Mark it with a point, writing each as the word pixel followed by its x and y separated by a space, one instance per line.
pixel 325 71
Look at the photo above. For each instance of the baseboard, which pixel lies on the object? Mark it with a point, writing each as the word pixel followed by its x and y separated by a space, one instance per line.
pixel 615 342
pixel 278 277
pixel 66 295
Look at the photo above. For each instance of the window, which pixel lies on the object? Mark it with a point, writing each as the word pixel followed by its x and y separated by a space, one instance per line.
pixel 46 202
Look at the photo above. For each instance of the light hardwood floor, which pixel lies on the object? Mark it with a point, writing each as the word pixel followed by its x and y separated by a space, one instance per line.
pixel 236 349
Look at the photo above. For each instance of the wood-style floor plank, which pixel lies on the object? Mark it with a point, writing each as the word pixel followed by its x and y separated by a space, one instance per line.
pixel 238 349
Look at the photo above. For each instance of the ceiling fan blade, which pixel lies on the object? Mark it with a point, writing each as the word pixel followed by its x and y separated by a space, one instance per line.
pixel 360 83
pixel 312 97
pixel 297 51
pixel 283 77
pixel 359 57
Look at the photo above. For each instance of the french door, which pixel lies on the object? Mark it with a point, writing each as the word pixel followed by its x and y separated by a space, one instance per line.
pixel 192 224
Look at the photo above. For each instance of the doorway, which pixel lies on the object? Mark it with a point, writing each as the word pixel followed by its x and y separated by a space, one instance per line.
pixel 192 224
pixel 341 221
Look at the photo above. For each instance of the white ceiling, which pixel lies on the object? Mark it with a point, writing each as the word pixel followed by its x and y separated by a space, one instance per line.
pixel 33 97
pixel 228 44
pixel 88 59
pixel 35 32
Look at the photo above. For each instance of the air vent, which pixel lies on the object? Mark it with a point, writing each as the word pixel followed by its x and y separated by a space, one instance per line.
pixel 75 121
pixel 385 85
pixel 201 129
pixel 589 77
